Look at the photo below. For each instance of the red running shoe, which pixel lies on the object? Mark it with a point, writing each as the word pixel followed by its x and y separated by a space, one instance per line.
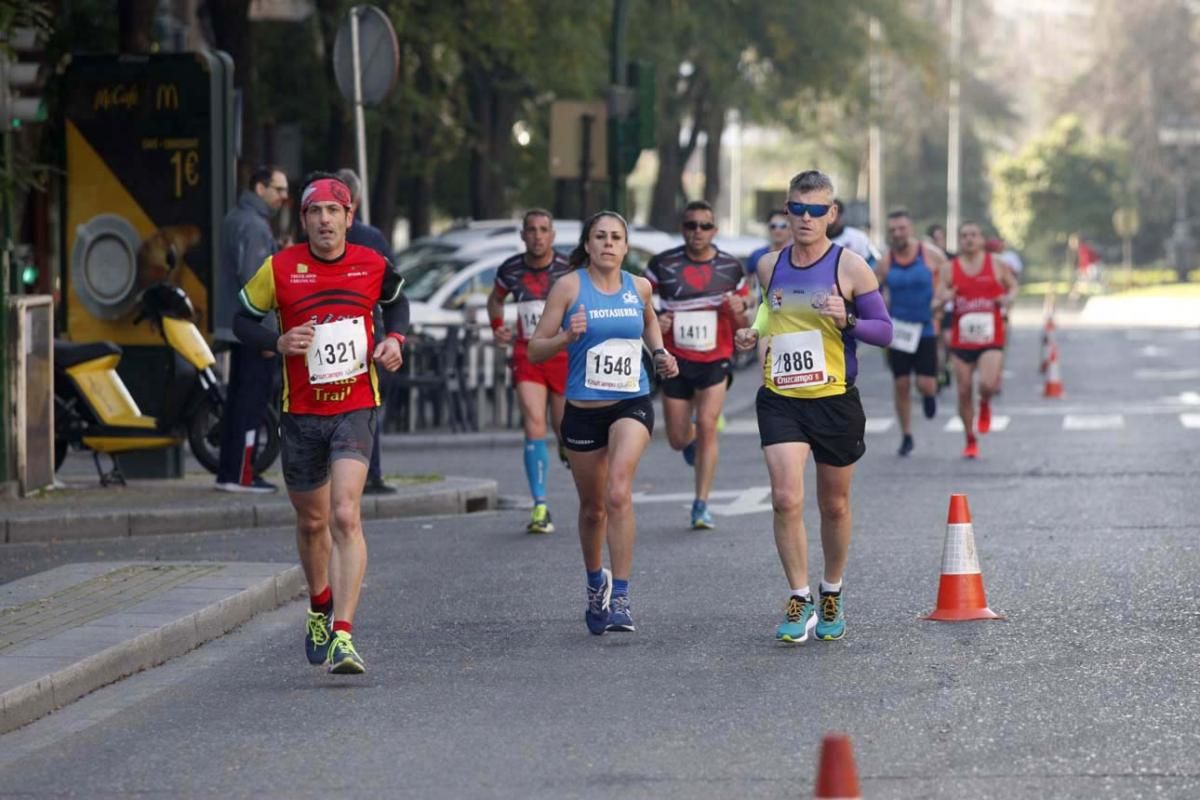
pixel 971 450
pixel 985 416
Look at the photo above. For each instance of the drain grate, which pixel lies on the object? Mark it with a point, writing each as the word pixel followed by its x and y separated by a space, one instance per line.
pixel 95 598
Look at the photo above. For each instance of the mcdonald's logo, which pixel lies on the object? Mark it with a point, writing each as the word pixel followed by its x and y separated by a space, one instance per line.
pixel 166 96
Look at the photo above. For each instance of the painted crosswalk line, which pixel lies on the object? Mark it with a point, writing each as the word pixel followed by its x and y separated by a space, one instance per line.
pixel 999 423
pixel 1093 422
pixel 1190 420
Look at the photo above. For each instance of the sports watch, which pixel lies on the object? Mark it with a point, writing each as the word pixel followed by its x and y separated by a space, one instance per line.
pixel 851 321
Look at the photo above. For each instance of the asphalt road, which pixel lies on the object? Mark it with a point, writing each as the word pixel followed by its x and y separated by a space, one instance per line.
pixel 483 681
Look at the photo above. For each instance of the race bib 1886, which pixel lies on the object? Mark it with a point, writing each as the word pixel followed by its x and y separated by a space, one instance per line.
pixel 338 351
pixel 614 365
pixel 797 359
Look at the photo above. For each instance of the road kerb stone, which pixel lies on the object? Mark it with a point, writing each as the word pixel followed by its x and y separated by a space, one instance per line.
pixel 27 702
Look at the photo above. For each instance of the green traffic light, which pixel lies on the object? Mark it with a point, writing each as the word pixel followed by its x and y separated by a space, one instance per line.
pixel 29 275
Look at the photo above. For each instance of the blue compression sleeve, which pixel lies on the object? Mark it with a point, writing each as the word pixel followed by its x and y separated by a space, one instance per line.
pixel 874 323
pixel 535 468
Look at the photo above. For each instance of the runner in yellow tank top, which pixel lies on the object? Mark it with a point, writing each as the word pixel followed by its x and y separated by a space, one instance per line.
pixel 818 300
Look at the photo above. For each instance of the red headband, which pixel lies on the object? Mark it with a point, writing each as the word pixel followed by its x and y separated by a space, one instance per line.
pixel 325 190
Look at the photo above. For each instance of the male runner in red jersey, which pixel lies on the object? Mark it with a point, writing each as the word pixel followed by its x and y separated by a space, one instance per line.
pixel 703 296
pixel 528 277
pixel 324 290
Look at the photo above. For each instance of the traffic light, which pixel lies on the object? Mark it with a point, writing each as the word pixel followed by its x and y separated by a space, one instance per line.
pixel 20 79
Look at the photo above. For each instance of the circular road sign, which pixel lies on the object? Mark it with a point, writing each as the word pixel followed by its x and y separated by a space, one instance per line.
pixel 378 55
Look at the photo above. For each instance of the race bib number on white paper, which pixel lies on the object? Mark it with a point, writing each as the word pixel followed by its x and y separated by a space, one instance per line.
pixel 977 327
pixel 696 330
pixel 906 336
pixel 614 365
pixel 530 314
pixel 338 351
pixel 797 359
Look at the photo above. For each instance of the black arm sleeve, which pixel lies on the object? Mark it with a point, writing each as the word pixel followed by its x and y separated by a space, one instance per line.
pixel 251 332
pixel 395 315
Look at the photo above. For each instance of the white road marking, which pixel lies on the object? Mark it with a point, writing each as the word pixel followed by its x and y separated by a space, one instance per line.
pixel 880 424
pixel 999 423
pixel 1153 351
pixel 1093 422
pixel 1190 420
pixel 1166 374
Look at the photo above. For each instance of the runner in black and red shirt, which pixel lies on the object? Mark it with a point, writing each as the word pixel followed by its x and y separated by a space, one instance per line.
pixel 325 290
pixel 703 296
pixel 528 278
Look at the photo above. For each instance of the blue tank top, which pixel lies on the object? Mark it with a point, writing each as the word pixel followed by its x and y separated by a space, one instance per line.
pixel 602 363
pixel 911 288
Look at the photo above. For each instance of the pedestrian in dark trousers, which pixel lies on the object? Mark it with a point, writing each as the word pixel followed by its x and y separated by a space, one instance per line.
pixel 247 241
pixel 370 236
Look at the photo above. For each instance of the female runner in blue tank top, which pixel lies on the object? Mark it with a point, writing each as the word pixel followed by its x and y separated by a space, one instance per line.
pixel 601 315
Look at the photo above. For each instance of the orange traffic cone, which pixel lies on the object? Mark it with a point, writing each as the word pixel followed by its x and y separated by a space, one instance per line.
pixel 1054 386
pixel 960 590
pixel 837 779
pixel 1047 344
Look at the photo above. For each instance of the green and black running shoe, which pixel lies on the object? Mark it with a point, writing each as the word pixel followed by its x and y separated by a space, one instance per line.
pixel 343 658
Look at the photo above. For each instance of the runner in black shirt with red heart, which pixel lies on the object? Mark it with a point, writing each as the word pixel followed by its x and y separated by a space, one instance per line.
pixel 702 294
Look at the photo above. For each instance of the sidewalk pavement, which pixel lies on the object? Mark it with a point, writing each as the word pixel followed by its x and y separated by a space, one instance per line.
pixel 84 509
pixel 68 631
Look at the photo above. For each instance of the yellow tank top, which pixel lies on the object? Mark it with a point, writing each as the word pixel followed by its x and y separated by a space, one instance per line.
pixel 807 355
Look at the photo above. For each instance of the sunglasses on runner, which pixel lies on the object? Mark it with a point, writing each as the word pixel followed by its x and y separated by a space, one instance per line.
pixel 692 225
pixel 778 226
pixel 815 210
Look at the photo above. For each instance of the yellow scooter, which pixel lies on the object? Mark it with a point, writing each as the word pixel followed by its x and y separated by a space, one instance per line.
pixel 95 411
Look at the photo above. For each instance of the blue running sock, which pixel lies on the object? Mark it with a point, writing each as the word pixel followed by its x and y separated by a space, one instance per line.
pixel 596 579
pixel 535 468
pixel 699 505
pixel 620 588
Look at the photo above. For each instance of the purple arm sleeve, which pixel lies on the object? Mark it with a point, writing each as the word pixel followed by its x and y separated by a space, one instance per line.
pixel 874 323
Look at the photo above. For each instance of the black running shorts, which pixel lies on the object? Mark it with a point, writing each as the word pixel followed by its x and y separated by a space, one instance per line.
pixel 585 429
pixel 923 362
pixel 971 356
pixel 833 426
pixel 311 442
pixel 696 375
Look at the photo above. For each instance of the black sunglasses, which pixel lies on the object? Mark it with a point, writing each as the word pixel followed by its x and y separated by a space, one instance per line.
pixel 815 210
pixel 692 225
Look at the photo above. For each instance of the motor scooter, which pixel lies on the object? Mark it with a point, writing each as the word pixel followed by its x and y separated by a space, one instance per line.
pixel 95 411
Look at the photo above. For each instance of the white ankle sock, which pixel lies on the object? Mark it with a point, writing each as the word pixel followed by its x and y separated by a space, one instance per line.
pixel 831 587
pixel 804 591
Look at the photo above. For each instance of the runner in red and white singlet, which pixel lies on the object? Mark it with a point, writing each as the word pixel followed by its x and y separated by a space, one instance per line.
pixel 981 288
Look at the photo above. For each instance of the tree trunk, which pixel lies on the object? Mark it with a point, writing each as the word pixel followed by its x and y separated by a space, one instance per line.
pixel 383 188
pixel 714 128
pixel 135 25
pixel 337 141
pixel 493 110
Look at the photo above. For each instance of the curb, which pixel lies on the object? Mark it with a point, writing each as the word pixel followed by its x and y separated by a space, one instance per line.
pixel 451 496
pixel 30 701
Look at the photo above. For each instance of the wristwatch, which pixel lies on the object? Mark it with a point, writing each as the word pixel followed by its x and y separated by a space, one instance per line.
pixel 851 321
pixel 658 350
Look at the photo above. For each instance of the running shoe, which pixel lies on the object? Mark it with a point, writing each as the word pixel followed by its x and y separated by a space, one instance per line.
pixel 721 423
pixel 257 486
pixel 800 620
pixel 539 520
pixel 343 658
pixel 317 636
pixel 831 623
pixel 599 600
pixel 620 617
pixel 701 517
pixel 906 446
pixel 985 416
pixel 971 450
pixel 929 406
pixel 689 453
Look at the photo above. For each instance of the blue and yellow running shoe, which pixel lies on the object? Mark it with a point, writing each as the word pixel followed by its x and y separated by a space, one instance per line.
pixel 343 658
pixel 800 619
pixel 831 623
pixel 539 520
pixel 702 519
pixel 317 635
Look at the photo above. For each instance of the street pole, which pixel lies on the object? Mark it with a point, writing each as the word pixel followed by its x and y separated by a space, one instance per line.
pixel 360 125
pixel 616 78
pixel 875 138
pixel 953 144
pixel 6 270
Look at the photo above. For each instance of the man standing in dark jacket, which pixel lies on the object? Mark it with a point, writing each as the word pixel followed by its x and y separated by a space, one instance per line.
pixel 246 242
pixel 367 235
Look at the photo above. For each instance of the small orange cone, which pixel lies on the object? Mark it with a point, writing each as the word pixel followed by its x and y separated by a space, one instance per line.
pixel 1047 343
pixel 837 779
pixel 1054 386
pixel 960 590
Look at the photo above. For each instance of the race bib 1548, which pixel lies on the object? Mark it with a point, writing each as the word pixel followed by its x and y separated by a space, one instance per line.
pixel 614 365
